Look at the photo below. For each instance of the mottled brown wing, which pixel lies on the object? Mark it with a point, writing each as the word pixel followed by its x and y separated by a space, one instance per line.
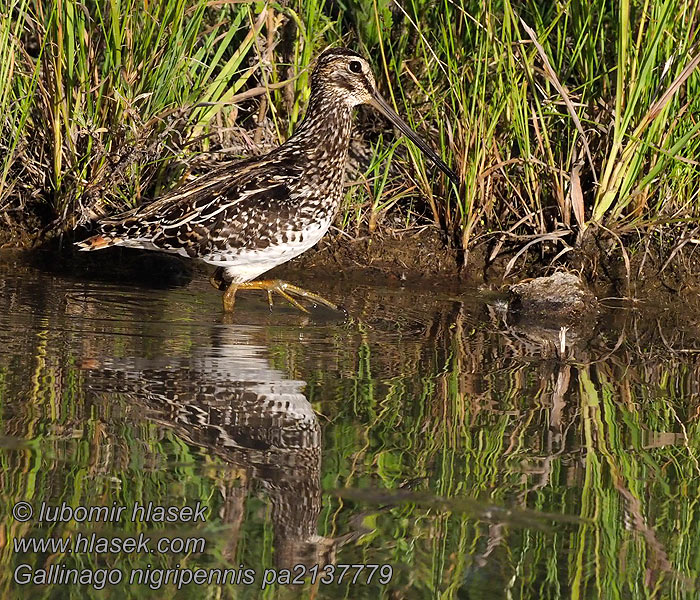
pixel 178 199
pixel 248 216
pixel 237 206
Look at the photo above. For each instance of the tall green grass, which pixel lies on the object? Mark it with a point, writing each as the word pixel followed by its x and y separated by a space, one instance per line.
pixel 556 115
pixel 100 95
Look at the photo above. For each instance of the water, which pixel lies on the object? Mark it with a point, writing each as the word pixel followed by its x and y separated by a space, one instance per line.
pixel 464 456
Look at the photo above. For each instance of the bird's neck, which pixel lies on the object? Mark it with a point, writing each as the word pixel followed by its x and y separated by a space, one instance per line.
pixel 324 134
pixel 320 147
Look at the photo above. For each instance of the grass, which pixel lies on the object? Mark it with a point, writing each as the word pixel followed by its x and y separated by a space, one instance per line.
pixel 560 117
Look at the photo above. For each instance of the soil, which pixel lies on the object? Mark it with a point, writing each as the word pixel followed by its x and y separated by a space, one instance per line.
pixel 411 256
pixel 421 257
pixel 22 228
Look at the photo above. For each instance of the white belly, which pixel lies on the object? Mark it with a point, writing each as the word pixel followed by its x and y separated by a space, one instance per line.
pixel 247 264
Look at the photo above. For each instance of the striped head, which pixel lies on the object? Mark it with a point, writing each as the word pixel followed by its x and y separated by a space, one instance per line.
pixel 345 76
pixel 342 75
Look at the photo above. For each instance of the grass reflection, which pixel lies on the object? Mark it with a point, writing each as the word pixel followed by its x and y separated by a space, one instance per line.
pixel 461 450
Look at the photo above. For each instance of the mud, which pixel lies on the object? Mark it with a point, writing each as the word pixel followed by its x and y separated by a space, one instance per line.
pixel 25 227
pixel 645 271
pixel 414 256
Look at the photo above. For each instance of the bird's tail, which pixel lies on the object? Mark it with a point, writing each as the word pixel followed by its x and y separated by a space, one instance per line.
pixel 97 242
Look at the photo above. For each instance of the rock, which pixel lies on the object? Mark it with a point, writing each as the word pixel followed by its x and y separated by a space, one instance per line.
pixel 553 301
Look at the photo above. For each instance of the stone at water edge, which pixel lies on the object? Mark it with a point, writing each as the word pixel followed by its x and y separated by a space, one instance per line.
pixel 561 297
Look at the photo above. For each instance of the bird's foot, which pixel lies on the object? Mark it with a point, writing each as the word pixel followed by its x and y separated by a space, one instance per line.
pixel 287 291
pixel 217 279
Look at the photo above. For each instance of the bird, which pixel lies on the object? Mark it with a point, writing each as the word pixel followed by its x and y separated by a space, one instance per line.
pixel 250 216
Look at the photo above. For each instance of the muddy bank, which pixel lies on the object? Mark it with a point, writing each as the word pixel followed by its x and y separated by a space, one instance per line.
pixel 26 227
pixel 645 271
pixel 420 257
pixel 409 257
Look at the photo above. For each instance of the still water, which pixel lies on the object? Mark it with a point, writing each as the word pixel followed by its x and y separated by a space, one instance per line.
pixel 424 447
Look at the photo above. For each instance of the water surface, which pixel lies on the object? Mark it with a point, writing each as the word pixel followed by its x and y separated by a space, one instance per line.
pixel 465 456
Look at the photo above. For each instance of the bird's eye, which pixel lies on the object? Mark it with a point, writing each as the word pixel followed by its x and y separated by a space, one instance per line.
pixel 355 66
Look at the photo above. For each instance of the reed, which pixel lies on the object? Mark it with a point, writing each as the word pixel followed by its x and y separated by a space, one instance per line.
pixel 558 116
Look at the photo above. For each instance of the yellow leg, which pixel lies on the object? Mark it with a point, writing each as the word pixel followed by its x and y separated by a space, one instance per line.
pixel 217 279
pixel 284 289
pixel 230 297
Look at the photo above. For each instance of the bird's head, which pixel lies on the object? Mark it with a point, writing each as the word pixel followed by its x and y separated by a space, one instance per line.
pixel 346 77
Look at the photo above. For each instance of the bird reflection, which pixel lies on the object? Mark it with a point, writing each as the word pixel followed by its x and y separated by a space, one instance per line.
pixel 226 399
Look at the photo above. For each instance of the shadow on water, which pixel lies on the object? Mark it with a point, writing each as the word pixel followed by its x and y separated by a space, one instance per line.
pixel 478 457
pixel 126 266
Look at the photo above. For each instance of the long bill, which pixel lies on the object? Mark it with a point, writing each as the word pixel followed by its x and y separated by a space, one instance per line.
pixel 380 104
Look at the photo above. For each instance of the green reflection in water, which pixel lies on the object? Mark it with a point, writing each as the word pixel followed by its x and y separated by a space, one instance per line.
pixel 426 435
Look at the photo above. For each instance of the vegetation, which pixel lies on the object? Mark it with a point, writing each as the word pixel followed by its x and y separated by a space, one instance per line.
pixel 560 117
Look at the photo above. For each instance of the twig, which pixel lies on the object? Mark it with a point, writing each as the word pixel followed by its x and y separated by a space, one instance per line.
pixel 556 236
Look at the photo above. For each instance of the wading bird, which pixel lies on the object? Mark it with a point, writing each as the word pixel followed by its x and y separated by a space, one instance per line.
pixel 258 213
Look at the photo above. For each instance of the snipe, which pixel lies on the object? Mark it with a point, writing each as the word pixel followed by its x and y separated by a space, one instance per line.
pixel 249 217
